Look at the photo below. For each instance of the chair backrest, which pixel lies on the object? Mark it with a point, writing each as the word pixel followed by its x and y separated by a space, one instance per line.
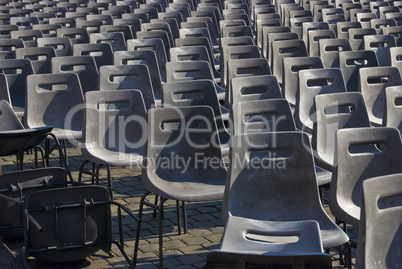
pixel 357 150
pixel 102 52
pixel 380 44
pixel 188 70
pixel 329 50
pixel 29 37
pixel 154 44
pixel 309 26
pixel 16 71
pixel 118 77
pixel 283 49
pixel 76 35
pixel 261 23
pixel 115 121
pixel 392 112
pixel 40 58
pixel 159 26
pixel 336 111
pixel 271 37
pixel 54 99
pixel 190 53
pixel 267 115
pixel 315 36
pixel 48 30
pixel 311 83
pixel 255 88
pixel 372 84
pixel 8 46
pixel 356 37
pixel 266 46
pixel 188 132
pixel 115 39
pixel 62 45
pixel 291 68
pixel 125 29
pixel 296 24
pixel 343 27
pixel 158 34
pixel 381 216
pixel 396 31
pixel 235 52
pixel 195 93
pixel 350 63
pixel 84 66
pixel 146 57
pixel 96 223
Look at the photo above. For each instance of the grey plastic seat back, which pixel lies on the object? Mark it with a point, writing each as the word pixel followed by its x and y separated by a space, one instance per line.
pixel 311 83
pixel 350 63
pixel 329 50
pixel 255 88
pixel 381 215
pixel 271 37
pixel 296 24
pixel 266 115
pixel 84 66
pixel 134 25
pixel 54 99
pixel 335 111
pixel 158 34
pixel 380 44
pixel 28 182
pixel 6 29
pixel 64 22
pixel 200 41
pixel 372 84
pixel 357 150
pixel 40 58
pixel 116 40
pixel 188 70
pixel 283 49
pixel 196 93
pixel 159 26
pixel 126 29
pixel 109 134
pixel 154 44
pixel 343 27
pixel 167 127
pixel 356 37
pixel 392 111
pixel 261 23
pixel 48 30
pixel 395 31
pixel 102 52
pixel 291 68
pixel 146 57
pixel 267 46
pixel 29 37
pixel 118 77
pixel 76 35
pixel 315 36
pixel 16 71
pixel 235 52
pixel 308 26
pixel 8 46
pixel 244 68
pixel 280 160
pixel 379 24
pixel 61 45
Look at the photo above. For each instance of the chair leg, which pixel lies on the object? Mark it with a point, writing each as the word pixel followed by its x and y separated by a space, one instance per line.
pixel 160 231
pixel 137 237
pixel 178 217
pixel 82 170
pixel 183 207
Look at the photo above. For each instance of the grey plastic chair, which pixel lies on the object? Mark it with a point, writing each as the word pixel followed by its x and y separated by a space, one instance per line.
pixel 291 68
pixel 63 21
pixel 29 37
pixel 380 44
pixel 379 24
pixel 55 99
pixel 8 46
pixel 40 58
pixel 134 26
pixel 335 111
pixel 148 58
pixel 91 26
pixel 392 110
pixel 102 52
pixel 154 44
pixel 158 34
pixel 372 84
pixel 271 37
pixel 379 229
pixel 395 31
pixel 84 66
pixel 198 93
pixel 192 70
pixel 315 36
pixel 311 83
pixel 309 26
pixel 16 71
pixel 6 29
pixel 198 183
pixel 356 37
pixel 255 88
pixel 296 24
pixel 27 182
pixel 266 115
pixel 159 26
pixel 266 45
pixel 255 190
pixel 115 39
pixel 123 77
pixel 283 49
pixel 357 150
pixel 329 50
pixel 63 227
pixel 239 246
pixel 350 63
pixel 342 28
pixel 76 35
pixel 115 130
pixel 61 45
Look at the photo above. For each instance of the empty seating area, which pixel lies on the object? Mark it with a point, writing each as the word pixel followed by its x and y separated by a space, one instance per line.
pixel 200 133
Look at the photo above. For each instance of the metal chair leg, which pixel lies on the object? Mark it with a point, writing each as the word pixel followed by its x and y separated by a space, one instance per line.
pixel 137 236
pixel 160 231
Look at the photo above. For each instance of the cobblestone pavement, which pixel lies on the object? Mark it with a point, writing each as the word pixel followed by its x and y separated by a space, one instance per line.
pixel 181 251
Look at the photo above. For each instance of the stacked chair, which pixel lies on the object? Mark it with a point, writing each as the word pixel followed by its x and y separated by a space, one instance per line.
pixel 289 97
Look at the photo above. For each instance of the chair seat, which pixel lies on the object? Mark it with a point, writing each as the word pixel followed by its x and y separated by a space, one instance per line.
pixel 103 156
pixel 66 134
pixel 332 235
